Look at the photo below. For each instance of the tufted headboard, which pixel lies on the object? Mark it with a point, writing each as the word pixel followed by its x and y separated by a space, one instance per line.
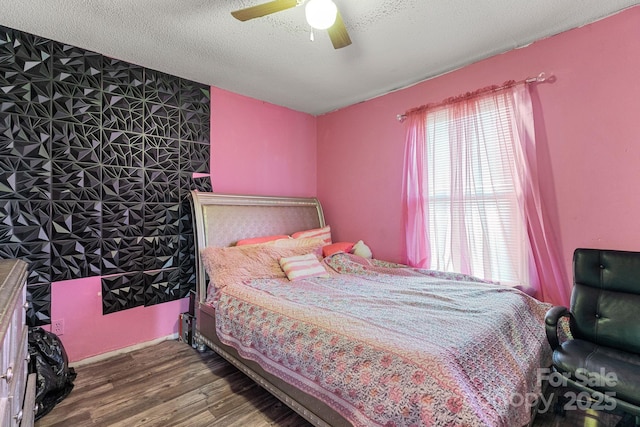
pixel 223 219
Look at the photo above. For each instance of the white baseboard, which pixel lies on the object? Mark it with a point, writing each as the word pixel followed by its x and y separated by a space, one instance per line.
pixel 124 350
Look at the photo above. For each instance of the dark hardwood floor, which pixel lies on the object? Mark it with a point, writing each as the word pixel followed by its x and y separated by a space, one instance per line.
pixel 167 384
pixel 170 384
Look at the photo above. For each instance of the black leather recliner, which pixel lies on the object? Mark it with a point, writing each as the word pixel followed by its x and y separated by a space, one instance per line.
pixel 603 355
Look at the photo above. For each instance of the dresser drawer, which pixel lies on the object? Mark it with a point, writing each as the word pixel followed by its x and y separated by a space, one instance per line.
pixel 5 413
pixel 18 385
pixel 7 358
pixel 14 346
pixel 14 339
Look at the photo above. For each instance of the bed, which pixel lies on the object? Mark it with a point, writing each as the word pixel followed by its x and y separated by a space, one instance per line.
pixel 445 364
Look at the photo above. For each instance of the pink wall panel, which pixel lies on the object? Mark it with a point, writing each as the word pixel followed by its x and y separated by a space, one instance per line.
pixel 261 148
pixel 586 125
pixel 360 151
pixel 88 333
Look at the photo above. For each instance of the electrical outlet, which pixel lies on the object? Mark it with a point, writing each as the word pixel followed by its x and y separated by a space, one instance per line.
pixel 57 326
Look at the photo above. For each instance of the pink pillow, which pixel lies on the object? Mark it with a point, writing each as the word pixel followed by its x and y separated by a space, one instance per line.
pixel 302 267
pixel 334 248
pixel 315 243
pixel 263 239
pixel 323 233
pixel 236 264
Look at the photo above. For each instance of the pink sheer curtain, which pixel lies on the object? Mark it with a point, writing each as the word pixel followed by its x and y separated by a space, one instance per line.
pixel 515 134
pixel 414 193
pixel 546 273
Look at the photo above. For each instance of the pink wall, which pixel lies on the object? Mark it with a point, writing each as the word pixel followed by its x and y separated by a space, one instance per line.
pixel 261 148
pixel 586 125
pixel 88 333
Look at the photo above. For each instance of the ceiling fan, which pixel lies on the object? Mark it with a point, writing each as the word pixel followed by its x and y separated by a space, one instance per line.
pixel 320 14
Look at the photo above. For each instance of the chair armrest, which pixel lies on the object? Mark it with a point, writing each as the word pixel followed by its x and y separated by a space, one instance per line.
pixel 551 324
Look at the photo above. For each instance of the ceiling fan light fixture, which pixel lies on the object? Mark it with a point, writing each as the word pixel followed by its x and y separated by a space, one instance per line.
pixel 321 14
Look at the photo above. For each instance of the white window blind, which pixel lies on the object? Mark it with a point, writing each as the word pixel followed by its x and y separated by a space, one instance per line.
pixel 476 223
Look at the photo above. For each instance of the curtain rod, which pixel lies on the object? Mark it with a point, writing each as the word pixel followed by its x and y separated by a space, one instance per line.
pixel 537 79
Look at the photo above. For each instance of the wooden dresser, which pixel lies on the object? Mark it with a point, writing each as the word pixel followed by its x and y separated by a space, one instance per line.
pixel 17 391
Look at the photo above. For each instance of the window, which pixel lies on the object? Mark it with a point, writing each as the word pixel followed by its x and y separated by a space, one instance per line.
pixel 471 197
pixel 476 222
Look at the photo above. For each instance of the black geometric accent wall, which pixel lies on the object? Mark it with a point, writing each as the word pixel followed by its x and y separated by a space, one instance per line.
pixel 97 161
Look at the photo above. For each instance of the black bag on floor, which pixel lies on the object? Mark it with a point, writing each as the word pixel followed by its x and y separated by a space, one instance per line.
pixel 49 360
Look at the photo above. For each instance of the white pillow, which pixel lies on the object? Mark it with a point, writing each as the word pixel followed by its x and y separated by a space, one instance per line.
pixel 362 250
pixel 302 267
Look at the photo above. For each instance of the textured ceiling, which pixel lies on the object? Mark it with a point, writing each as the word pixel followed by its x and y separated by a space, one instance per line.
pixel 395 43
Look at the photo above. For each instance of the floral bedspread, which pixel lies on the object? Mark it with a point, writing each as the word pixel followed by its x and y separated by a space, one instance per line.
pixel 392 346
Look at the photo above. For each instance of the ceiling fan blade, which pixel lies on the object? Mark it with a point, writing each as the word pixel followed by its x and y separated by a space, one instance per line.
pixel 338 33
pixel 263 9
